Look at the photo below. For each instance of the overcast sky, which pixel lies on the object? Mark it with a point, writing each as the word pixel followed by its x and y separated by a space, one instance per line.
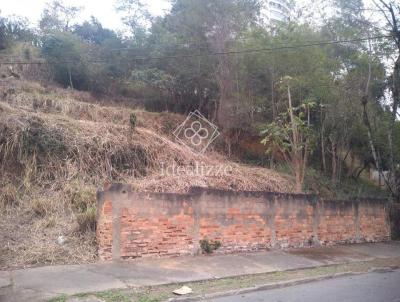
pixel 102 9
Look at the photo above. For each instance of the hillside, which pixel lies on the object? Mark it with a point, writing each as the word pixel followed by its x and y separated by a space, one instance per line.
pixel 57 146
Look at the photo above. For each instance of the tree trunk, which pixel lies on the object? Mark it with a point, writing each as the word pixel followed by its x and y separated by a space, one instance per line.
pixel 296 156
pixel 70 77
pixel 323 155
pixel 273 94
pixel 395 105
pixel 334 161
pixel 299 183
pixel 225 81
pixel 388 11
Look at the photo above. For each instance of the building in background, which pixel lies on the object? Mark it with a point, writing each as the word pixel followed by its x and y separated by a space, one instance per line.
pixel 274 11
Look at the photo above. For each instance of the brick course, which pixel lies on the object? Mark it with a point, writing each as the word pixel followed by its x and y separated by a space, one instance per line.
pixel 131 225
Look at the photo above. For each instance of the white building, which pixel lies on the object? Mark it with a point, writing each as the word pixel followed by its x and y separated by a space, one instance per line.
pixel 276 11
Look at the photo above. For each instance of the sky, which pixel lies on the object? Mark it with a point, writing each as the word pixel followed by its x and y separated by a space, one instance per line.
pixel 103 10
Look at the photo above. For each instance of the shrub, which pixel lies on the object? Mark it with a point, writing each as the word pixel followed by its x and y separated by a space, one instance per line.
pixel 82 199
pixel 133 120
pixel 209 246
pixel 83 204
pixel 42 140
pixel 87 220
pixel 41 206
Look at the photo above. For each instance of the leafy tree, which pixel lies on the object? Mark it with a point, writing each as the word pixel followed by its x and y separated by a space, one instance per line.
pixel 57 16
pixel 13 30
pixel 136 16
pixel 292 135
pixel 94 32
pixel 65 52
pixel 390 10
pixel 216 23
pixel 156 84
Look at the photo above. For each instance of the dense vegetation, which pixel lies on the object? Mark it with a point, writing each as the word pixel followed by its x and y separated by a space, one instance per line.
pixel 314 101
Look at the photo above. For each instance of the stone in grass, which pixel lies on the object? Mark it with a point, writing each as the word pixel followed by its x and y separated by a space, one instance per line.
pixel 85 299
pixel 184 290
pixel 61 240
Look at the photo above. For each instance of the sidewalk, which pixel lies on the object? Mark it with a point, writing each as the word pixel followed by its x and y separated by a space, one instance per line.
pixel 40 284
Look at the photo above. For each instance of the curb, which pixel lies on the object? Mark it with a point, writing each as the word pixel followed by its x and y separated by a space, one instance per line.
pixel 282 284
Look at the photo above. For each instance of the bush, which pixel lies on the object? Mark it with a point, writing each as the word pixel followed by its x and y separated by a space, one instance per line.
pixel 81 200
pixel 209 246
pixel 41 140
pixel 133 120
pixel 83 204
pixel 41 207
pixel 87 220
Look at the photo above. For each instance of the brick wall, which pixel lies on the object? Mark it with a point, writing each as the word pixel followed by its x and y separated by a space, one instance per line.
pixel 131 224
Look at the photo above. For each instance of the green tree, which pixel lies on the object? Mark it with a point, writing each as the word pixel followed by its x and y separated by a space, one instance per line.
pixel 214 24
pixel 93 32
pixel 292 135
pixel 136 16
pixel 15 30
pixel 65 52
pixel 390 10
pixel 57 16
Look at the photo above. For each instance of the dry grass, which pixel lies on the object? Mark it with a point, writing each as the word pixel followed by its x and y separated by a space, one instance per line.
pixel 55 149
pixel 65 148
pixel 8 195
pixel 33 97
pixel 87 220
pixel 29 233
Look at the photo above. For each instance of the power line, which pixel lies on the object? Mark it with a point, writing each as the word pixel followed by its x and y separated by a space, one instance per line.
pixel 205 44
pixel 233 52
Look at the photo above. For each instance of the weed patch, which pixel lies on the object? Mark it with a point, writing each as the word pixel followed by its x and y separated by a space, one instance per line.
pixel 209 246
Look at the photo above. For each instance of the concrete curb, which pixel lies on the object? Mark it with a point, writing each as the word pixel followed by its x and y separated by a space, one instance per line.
pixel 282 284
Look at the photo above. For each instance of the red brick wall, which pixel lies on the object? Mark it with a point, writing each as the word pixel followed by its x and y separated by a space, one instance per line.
pixel 374 223
pixel 337 222
pixel 152 231
pixel 104 230
pixel 134 225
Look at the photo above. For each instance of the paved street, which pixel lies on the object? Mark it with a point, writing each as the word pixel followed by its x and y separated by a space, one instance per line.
pixel 372 287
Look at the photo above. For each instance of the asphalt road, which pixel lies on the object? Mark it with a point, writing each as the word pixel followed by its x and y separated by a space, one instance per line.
pixel 372 287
